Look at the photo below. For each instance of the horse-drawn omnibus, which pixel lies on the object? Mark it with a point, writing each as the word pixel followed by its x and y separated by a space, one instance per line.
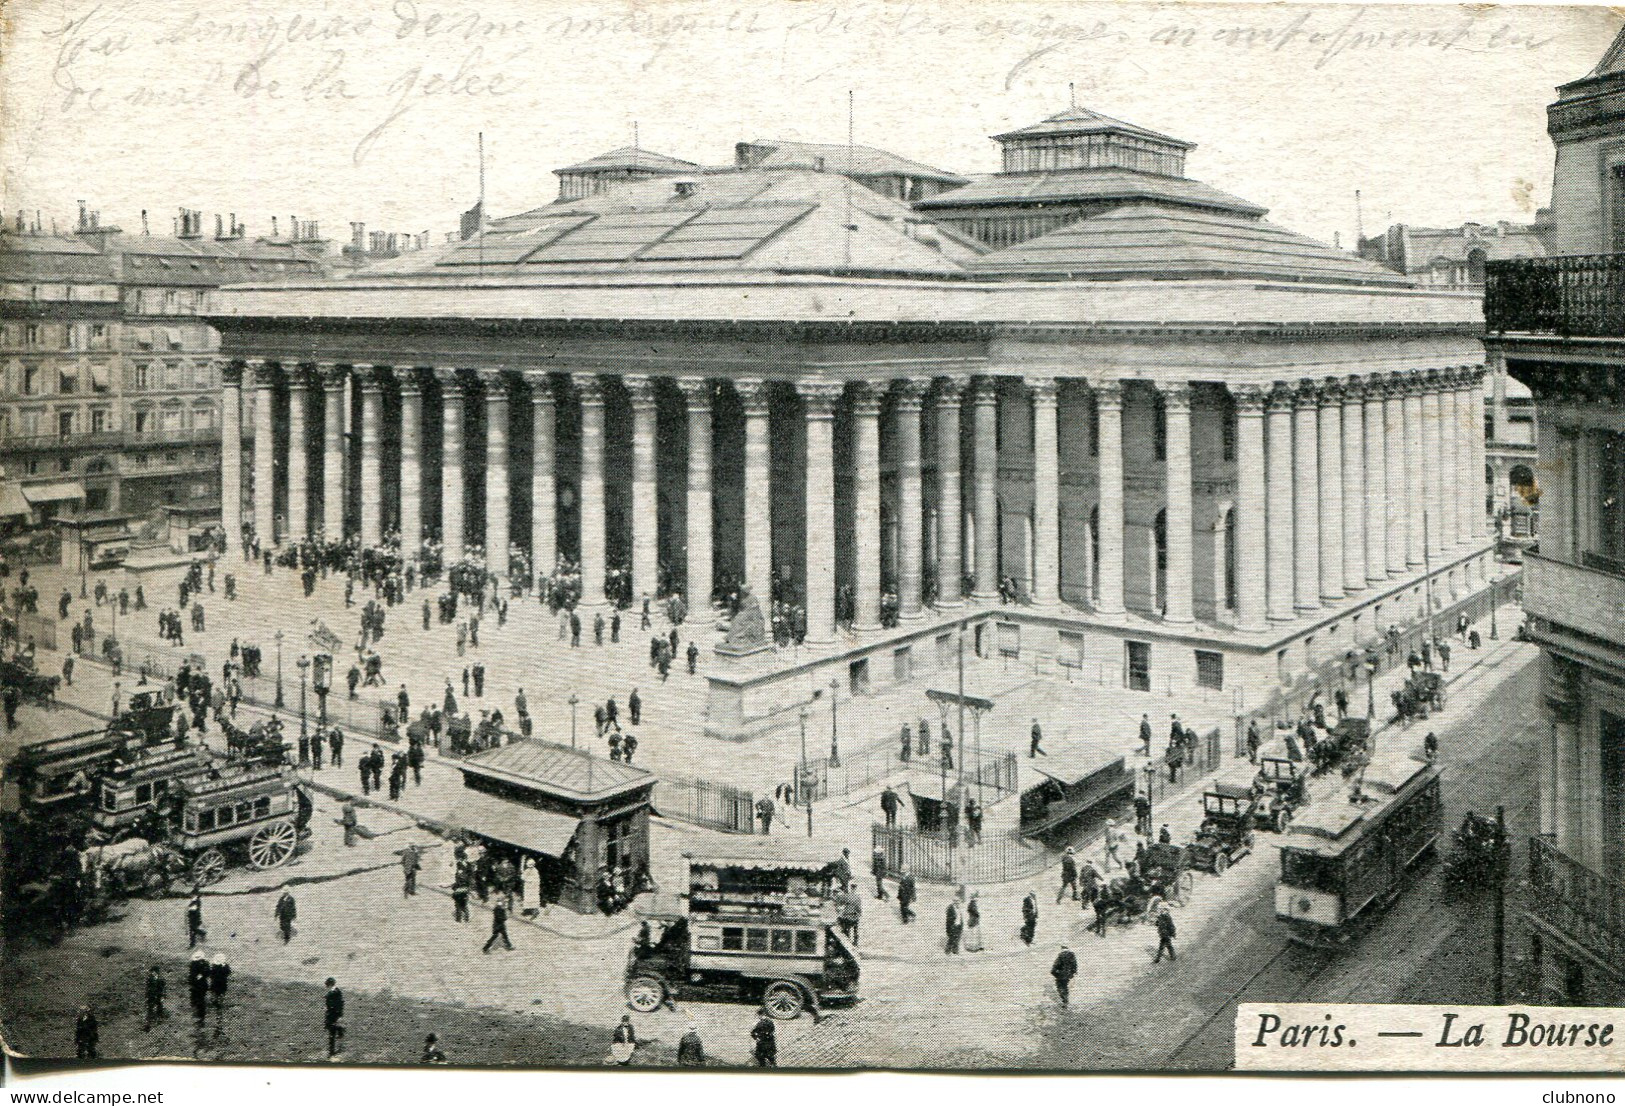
pixel 1353 851
pixel 133 793
pixel 255 811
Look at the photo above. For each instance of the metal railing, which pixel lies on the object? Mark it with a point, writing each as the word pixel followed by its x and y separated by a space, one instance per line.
pixel 78 439
pixel 1586 906
pixel 1580 296
pixel 717 806
pixel 860 768
pixel 996 857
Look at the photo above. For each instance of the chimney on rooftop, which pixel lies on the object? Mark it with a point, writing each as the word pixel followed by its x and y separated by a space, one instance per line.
pixel 143 222
pixel 358 236
pixel 84 217
pixel 219 227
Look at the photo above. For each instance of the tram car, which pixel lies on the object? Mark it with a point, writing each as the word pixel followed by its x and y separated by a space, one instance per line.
pixel 1353 851
pixel 754 930
pixel 254 812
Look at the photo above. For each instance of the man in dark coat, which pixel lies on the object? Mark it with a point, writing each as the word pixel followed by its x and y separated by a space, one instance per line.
pixel 155 994
pixel 1037 739
pixel 1029 917
pixel 634 707
pixel 194 921
pixel 333 1016
pixel 954 926
pixel 690 1051
pixel 219 981
pixel 1069 876
pixel 499 926
pixel 1064 969
pixel 197 984
pixel 906 894
pixel 86 1034
pixel 888 805
pixel 877 866
pixel 286 911
pixel 1145 734
pixel 766 1037
pixel 1165 936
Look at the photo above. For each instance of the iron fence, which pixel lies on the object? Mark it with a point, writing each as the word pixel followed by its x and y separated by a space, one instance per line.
pixel 1585 905
pixel 996 857
pixel 716 806
pixel 824 777
pixel 1204 756
pixel 25 627
pixel 1579 296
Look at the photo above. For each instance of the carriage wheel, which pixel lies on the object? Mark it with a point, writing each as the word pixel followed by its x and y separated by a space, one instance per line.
pixel 783 1000
pixel 1283 819
pixel 272 845
pixel 1220 863
pixel 645 994
pixel 208 866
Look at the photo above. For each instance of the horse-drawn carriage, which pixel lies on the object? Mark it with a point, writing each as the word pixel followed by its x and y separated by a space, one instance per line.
pixel 1226 832
pixel 1168 866
pixel 261 743
pixel 1422 693
pixel 1344 744
pixel 19 672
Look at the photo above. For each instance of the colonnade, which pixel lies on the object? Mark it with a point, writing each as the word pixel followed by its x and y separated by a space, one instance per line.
pixel 1338 485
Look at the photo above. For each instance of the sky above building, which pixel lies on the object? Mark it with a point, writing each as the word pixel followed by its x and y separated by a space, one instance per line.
pixel 369 109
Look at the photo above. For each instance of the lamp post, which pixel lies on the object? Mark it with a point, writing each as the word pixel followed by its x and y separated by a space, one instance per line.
pixel 804 775
pixel 116 697
pixel 321 680
pixel 303 664
pixel 573 701
pixel 1150 799
pixel 279 703
pixel 1370 692
pixel 834 725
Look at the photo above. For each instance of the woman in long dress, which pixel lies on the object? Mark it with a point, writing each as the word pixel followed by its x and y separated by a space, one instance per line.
pixel 973 924
pixel 530 887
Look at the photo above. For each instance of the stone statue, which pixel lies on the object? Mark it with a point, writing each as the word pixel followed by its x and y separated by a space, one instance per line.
pixel 747 632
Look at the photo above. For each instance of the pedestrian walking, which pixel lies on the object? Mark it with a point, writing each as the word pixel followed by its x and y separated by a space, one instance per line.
pixel 765 1038
pixel 764 811
pixel 1069 875
pixel 906 895
pixel 954 926
pixel 459 894
pixel 286 911
pixel 197 984
pixel 1037 739
pixel 410 863
pixel 877 865
pixel 634 707
pixel 333 1017
pixel 219 982
pixel 155 995
pixel 1063 971
pixel 499 927
pixel 889 804
pixel 1029 917
pixel 347 815
pixel 1165 936
pixel 1145 735
pixel 86 1034
pixel 623 1043
pixel 194 922
pixel 973 924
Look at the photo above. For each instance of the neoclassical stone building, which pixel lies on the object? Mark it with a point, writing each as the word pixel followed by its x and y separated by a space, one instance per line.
pixel 1209 451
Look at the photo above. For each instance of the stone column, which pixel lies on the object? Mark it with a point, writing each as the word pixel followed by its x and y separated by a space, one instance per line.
pixel 1415 484
pixel 1470 484
pixel 818 400
pixel 866 507
pixel 1252 518
pixel 1477 520
pixel 985 505
pixel 264 452
pixel 1330 432
pixel 1109 403
pixel 372 485
pixel 1354 478
pixel 451 465
pixel 411 388
pixel 906 425
pixel 298 476
pixel 590 391
pixel 1176 408
pixel 1281 532
pixel 1431 470
pixel 334 378
pixel 544 494
pixel 1375 491
pixel 1046 583
pixel 645 492
pixel 496 471
pixel 758 492
pixel 697 395
pixel 231 454
pixel 1448 462
pixel 1397 498
pixel 1306 497
pixel 950 509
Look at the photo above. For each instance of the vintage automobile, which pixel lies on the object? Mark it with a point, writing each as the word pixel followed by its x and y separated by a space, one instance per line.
pixel 1281 789
pixel 1169 866
pixel 1226 833
pixel 748 930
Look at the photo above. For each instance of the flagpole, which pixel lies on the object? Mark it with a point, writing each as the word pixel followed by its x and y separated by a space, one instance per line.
pixel 479 227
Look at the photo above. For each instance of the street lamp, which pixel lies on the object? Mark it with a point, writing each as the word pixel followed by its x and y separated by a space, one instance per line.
pixel 116 698
pixel 304 733
pixel 1150 799
pixel 279 703
pixel 804 775
pixel 834 725
pixel 573 701
pixel 321 679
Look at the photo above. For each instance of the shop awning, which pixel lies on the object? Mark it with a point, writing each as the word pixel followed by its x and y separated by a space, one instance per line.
pixel 54 493
pixel 100 378
pixel 515 824
pixel 12 502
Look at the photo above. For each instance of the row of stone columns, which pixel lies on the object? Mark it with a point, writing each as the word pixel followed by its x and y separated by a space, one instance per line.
pixel 1340 484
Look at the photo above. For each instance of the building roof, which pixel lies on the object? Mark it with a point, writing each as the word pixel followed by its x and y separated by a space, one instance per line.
pixel 1168 242
pixel 1063 186
pixel 781 220
pixel 1613 61
pixel 1422 247
pixel 631 157
pixel 28 257
pixel 557 769
pixel 1083 121
pixel 502 819
pixel 857 161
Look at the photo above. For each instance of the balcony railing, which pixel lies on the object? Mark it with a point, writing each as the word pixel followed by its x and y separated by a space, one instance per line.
pixel 91 439
pixel 1581 597
pixel 1586 906
pixel 1573 297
